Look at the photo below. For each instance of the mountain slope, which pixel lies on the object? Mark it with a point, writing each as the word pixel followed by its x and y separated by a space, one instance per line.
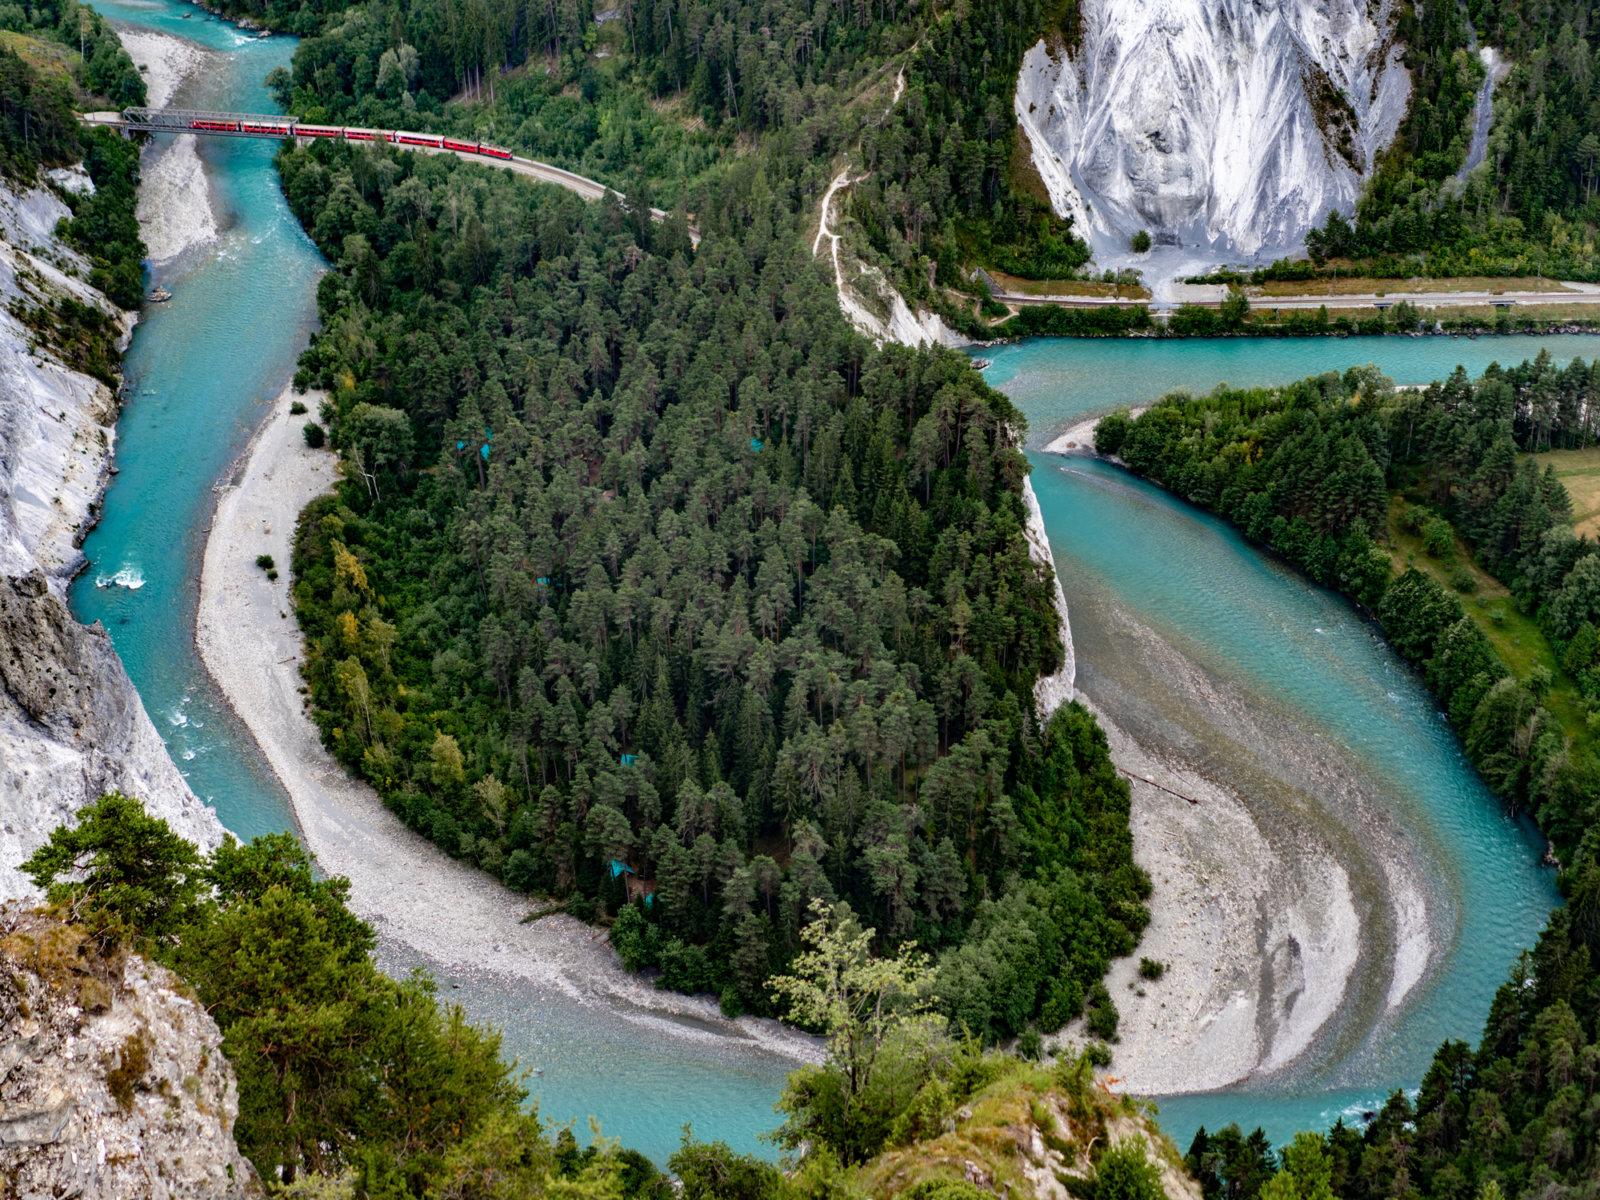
pixel 1234 125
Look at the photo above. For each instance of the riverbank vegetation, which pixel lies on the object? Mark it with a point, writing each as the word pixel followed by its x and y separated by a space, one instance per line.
pixel 345 1075
pixel 1322 471
pixel 353 1086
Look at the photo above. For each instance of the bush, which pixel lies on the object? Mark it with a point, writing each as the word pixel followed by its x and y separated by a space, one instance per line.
pixel 1140 242
pixel 1462 579
pixel 1030 1045
pixel 1438 539
pixel 296 409
pixel 1152 969
pixel 637 941
pixel 314 435
pixel 264 561
pixel 1112 431
pixel 1125 1172
pixel 1414 518
pixel 1101 1014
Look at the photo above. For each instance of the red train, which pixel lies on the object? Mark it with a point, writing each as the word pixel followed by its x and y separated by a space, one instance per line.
pixel 399 137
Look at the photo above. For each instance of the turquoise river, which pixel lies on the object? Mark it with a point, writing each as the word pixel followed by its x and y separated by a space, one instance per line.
pixel 202 367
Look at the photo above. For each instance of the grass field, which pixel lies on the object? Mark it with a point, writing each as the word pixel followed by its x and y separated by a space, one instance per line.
pixel 1580 475
pixel 1359 285
pixel 1517 637
pixel 1067 287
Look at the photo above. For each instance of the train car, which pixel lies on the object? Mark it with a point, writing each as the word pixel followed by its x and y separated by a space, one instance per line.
pixel 318 131
pixel 281 129
pixel 216 126
pixel 461 147
pixel 405 138
pixel 360 135
pixel 493 151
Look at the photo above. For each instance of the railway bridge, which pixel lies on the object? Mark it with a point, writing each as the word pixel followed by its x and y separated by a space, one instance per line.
pixel 279 126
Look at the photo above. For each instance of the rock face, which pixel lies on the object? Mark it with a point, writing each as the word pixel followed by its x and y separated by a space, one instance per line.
pixel 112 1083
pixel 71 725
pixel 1229 125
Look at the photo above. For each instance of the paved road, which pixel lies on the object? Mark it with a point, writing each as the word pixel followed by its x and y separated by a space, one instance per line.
pixel 1579 293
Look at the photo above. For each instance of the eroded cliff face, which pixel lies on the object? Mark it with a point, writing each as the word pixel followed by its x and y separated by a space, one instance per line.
pixel 71 724
pixel 112 1081
pixel 1226 126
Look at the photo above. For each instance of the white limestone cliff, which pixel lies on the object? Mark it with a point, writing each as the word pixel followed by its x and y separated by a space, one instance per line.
pixel 1224 126
pixel 71 723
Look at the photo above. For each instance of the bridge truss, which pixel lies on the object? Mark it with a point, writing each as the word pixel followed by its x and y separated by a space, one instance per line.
pixel 183 120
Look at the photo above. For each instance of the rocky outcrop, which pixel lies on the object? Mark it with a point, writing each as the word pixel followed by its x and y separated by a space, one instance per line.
pixel 1230 125
pixel 71 724
pixel 112 1081
pixel 1032 1135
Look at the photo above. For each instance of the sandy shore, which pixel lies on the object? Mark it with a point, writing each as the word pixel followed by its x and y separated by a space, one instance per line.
pixel 1292 912
pixel 164 61
pixel 1258 943
pixel 1230 1002
pixel 1080 437
pixel 174 209
pixel 411 892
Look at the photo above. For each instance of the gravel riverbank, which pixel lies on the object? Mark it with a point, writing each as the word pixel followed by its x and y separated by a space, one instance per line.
pixel 175 210
pixel 411 892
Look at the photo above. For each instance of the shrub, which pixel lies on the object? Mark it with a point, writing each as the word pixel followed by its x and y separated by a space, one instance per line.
pixel 1125 1172
pixel 1112 431
pixel 296 409
pixel 1152 969
pixel 1438 539
pixel 1101 1014
pixel 633 936
pixel 1414 518
pixel 132 1066
pixel 1140 242
pixel 1462 579
pixel 264 561
pixel 1030 1045
pixel 314 435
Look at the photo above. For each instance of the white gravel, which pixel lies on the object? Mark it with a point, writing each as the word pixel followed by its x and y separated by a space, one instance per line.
pixel 410 891
pixel 175 210
pixel 163 60
pixel 1080 436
